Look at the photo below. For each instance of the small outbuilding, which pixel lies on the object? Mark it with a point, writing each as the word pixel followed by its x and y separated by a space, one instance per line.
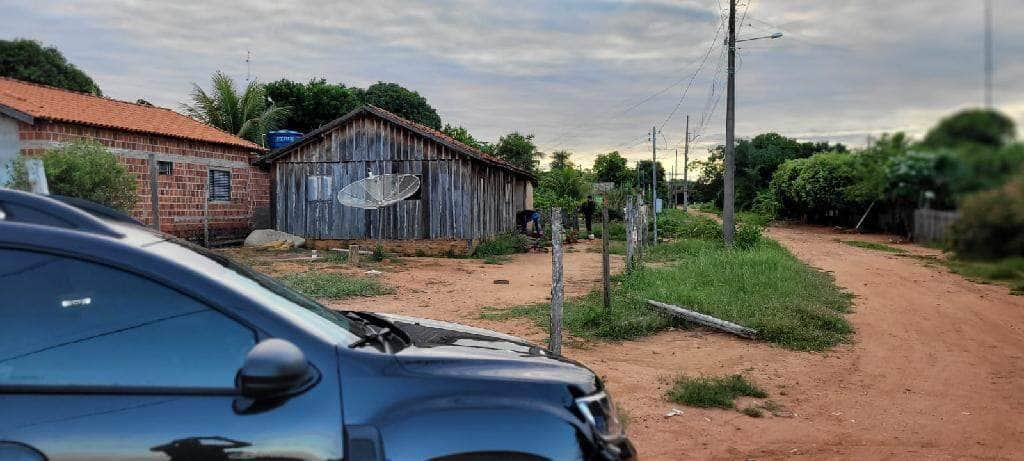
pixel 465 194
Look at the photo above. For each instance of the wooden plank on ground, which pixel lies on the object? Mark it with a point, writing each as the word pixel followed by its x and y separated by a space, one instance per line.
pixel 706 320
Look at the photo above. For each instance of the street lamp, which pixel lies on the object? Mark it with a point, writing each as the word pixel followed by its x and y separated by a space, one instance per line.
pixel 773 36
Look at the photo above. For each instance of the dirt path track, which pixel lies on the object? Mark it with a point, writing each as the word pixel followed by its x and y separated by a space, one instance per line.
pixel 936 369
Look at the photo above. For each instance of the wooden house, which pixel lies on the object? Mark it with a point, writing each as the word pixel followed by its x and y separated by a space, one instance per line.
pixel 464 194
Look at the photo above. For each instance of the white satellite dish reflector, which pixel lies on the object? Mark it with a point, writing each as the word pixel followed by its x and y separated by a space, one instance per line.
pixel 379 191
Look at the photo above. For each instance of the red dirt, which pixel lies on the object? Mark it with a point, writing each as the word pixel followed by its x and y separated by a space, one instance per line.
pixel 934 369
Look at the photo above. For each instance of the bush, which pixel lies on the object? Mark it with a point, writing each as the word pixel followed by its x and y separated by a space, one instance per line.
pixel 83 169
pixel 503 244
pixel 747 236
pixel 991 222
pixel 708 392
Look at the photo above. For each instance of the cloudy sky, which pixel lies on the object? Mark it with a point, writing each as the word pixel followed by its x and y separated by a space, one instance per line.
pixel 589 76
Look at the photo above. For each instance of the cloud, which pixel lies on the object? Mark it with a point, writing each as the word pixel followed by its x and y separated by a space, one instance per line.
pixel 585 75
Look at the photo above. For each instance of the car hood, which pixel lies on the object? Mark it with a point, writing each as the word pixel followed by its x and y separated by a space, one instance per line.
pixel 450 349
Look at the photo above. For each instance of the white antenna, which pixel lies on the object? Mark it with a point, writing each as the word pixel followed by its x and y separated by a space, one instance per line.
pixel 375 192
pixel 248 66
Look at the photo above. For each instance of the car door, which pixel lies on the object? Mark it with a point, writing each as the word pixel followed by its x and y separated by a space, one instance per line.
pixel 98 363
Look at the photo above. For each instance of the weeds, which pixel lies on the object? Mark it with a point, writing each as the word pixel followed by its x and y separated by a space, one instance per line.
pixel 1006 271
pixel 765 288
pixel 707 392
pixel 874 246
pixel 378 253
pixel 333 285
pixel 503 244
pixel 752 411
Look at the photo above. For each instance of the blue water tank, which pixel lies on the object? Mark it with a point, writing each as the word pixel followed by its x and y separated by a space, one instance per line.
pixel 280 138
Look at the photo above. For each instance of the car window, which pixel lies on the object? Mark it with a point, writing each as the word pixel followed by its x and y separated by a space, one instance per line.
pixel 68 322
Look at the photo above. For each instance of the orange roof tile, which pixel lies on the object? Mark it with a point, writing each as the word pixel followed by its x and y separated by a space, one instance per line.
pixel 61 105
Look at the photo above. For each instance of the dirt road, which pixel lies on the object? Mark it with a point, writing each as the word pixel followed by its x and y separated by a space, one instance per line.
pixel 934 371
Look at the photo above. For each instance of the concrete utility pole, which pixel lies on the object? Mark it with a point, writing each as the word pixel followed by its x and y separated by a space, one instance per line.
pixel 654 181
pixel 988 54
pixel 729 193
pixel 686 167
pixel 675 179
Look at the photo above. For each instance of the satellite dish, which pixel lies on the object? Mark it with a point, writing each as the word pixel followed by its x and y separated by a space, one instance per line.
pixel 379 191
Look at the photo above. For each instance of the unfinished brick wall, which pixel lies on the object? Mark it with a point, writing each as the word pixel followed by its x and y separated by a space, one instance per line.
pixel 181 194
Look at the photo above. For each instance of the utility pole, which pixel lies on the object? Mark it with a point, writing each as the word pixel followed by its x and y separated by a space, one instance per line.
pixel 675 180
pixel 729 194
pixel 988 54
pixel 654 181
pixel 686 167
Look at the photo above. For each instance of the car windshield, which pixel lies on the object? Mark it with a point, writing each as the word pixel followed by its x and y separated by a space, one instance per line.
pixel 241 278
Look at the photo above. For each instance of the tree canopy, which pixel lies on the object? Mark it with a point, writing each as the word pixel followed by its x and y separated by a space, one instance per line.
pixel 318 102
pixel 972 126
pixel 560 159
pixel 403 102
pixel 519 150
pixel 248 115
pixel 28 60
pixel 462 135
pixel 312 104
pixel 611 167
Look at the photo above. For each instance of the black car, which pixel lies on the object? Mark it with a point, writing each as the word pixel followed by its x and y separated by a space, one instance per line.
pixel 121 343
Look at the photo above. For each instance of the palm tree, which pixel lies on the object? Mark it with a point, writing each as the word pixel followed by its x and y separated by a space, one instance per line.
pixel 249 115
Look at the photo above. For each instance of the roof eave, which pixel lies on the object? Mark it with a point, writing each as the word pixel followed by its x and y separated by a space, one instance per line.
pixel 17 114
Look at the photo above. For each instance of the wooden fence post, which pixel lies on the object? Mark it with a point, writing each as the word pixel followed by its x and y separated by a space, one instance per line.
pixel 353 255
pixel 630 232
pixel 606 285
pixel 556 281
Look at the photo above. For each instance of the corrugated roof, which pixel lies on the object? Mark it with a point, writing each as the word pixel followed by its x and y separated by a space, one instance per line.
pixel 49 103
pixel 419 128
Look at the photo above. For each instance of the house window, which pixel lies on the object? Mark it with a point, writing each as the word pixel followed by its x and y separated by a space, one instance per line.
pixel 418 195
pixel 318 188
pixel 220 186
pixel 165 168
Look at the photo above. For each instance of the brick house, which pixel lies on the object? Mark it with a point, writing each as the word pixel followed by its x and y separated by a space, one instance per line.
pixel 203 173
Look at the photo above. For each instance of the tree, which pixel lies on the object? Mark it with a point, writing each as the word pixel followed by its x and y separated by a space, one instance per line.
pixel 28 60
pixel 611 167
pixel 400 101
pixel 985 127
pixel 83 169
pixel 519 150
pixel 644 168
pixel 560 160
pixel 462 135
pixel 249 115
pixel 312 104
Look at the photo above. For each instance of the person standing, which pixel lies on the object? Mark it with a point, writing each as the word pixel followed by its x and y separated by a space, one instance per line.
pixel 588 208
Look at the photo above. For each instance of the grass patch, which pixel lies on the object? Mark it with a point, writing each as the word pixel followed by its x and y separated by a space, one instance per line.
pixel 496 259
pixel 752 411
pixel 500 245
pixel 874 246
pixel 328 285
pixel 753 218
pixel 1005 271
pixel 765 288
pixel 708 392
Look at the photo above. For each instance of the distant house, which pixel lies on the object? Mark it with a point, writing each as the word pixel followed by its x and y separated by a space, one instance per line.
pixel 202 171
pixel 465 194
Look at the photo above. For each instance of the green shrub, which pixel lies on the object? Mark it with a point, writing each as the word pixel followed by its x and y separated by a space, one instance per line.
pixel 616 231
pixel 747 235
pixel 378 253
pixel 83 169
pixel 503 244
pixel 991 222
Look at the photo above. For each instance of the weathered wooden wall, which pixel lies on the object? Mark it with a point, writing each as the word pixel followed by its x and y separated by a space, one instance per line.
pixel 461 197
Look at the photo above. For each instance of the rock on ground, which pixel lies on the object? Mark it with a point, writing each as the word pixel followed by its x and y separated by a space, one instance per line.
pixel 261 237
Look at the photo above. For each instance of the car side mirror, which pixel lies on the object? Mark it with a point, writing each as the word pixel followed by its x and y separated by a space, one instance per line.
pixel 274 369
